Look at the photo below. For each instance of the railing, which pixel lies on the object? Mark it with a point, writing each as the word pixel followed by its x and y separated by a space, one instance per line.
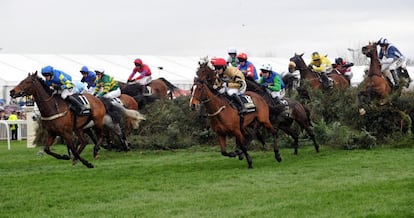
pixel 5 130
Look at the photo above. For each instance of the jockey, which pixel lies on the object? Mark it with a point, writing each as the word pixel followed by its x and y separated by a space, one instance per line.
pixel 321 65
pixel 391 59
pixel 272 81
pixel 230 80
pixel 144 77
pixel 88 77
pixel 232 59
pixel 106 86
pixel 62 82
pixel 246 67
pixel 343 67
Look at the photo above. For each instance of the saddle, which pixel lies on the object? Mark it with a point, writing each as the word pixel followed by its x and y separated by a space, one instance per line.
pixel 83 102
pixel 248 103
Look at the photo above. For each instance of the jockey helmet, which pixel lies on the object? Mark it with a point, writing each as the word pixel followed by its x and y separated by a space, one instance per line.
pixel 138 61
pixel 315 56
pixel 242 56
pixel 47 71
pixel 339 61
pixel 218 62
pixel 84 69
pixel 99 71
pixel 232 51
pixel 266 67
pixel 383 41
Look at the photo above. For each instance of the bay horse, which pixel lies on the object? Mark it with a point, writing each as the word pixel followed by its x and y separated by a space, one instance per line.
pixel 298 112
pixel 284 120
pixel 375 86
pixel 297 63
pixel 160 87
pixel 59 120
pixel 225 120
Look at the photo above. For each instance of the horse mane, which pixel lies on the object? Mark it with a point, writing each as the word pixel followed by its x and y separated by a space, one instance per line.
pixel 43 83
pixel 170 85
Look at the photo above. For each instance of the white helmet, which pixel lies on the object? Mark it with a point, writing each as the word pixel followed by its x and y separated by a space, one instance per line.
pixel 266 67
pixel 383 41
pixel 232 51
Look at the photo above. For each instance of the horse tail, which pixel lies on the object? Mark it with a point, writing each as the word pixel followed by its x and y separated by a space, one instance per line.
pixel 135 116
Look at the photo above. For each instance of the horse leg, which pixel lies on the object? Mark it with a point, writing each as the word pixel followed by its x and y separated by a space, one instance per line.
pixel 243 147
pixel 222 142
pixel 117 129
pixel 99 135
pixel 312 135
pixel 49 141
pixel 292 133
pixel 71 144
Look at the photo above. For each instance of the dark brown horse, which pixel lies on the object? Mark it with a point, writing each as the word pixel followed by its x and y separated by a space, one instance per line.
pixel 59 120
pixel 225 120
pixel 297 63
pixel 374 86
pixel 160 87
pixel 282 119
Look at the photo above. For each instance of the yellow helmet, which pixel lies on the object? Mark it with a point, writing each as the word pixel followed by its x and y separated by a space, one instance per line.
pixel 315 56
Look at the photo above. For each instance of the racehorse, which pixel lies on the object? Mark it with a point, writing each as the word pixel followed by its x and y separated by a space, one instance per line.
pixel 374 86
pixel 297 113
pixel 59 120
pixel 160 87
pixel 284 120
pixel 297 63
pixel 225 120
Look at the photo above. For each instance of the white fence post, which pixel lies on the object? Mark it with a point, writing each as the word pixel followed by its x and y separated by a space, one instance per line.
pixel 31 126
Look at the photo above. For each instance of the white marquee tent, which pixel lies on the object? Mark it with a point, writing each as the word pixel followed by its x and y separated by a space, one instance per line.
pixel 178 70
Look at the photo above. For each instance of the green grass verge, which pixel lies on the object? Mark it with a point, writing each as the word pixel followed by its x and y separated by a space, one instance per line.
pixel 199 182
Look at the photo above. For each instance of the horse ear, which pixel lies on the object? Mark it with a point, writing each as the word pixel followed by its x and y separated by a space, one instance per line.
pixel 302 54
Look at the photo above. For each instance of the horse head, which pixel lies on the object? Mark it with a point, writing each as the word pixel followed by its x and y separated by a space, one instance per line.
pixel 28 86
pixel 198 93
pixel 370 49
pixel 296 63
pixel 206 71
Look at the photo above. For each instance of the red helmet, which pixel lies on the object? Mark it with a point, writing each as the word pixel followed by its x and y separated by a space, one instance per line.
pixel 138 61
pixel 242 56
pixel 218 62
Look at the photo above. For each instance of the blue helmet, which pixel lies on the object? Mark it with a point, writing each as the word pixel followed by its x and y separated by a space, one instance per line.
pixel 84 69
pixel 383 41
pixel 48 70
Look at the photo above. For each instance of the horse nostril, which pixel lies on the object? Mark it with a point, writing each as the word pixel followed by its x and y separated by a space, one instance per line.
pixel 192 107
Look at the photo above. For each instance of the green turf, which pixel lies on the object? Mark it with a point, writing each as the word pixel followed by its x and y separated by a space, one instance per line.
pixel 199 182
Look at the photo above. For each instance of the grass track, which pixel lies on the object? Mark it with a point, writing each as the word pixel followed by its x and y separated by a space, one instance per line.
pixel 199 182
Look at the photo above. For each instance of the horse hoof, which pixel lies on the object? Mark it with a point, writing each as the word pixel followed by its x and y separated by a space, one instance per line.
pixel 279 158
pixel 65 157
pixel 96 157
pixel 89 165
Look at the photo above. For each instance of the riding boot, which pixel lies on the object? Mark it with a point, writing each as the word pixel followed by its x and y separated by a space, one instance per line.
pixel 325 80
pixel 240 104
pixel 395 78
pixel 79 107
pixel 144 89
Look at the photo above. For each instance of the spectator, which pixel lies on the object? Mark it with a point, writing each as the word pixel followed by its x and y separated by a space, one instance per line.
pixel 13 127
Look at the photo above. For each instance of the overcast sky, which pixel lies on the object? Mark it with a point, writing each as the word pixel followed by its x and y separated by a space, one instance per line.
pixel 198 28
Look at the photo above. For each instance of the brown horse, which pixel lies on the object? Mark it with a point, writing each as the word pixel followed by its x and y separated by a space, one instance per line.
pixel 225 120
pixel 282 119
pixel 298 112
pixel 297 63
pixel 59 120
pixel 374 86
pixel 160 87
